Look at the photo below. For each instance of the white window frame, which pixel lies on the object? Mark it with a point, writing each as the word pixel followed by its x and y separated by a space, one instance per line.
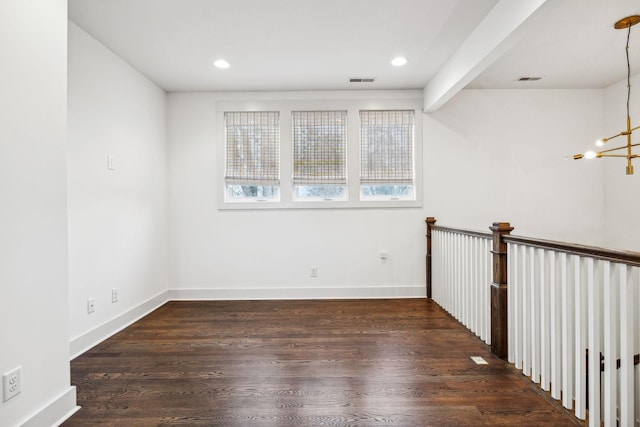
pixel 351 101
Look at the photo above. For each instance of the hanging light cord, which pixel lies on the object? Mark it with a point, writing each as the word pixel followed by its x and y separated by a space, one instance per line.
pixel 628 71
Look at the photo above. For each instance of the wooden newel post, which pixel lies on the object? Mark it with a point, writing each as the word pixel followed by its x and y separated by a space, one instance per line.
pixel 430 222
pixel 499 344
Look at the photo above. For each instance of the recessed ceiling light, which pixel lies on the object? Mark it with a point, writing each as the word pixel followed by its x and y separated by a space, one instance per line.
pixel 221 63
pixel 398 61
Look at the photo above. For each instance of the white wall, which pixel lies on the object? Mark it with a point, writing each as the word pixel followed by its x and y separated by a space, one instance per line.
pixel 506 155
pixel 268 254
pixel 118 228
pixel 622 208
pixel 489 155
pixel 33 217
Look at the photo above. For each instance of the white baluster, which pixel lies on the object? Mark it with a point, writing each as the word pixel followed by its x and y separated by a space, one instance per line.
pixel 555 311
pixel 511 306
pixel 634 279
pixel 593 303
pixel 435 265
pixel 446 297
pixel 438 283
pixel 475 280
pixel 580 293
pixel 474 285
pixel 526 311
pixel 446 264
pixel 535 317
pixel 610 311
pixel 436 251
pixel 519 301
pixel 545 338
pixel 456 277
pixel 627 307
pixel 466 298
pixel 568 319
pixel 486 288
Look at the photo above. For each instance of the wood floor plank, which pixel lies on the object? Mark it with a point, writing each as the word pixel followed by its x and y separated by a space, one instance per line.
pixel 302 363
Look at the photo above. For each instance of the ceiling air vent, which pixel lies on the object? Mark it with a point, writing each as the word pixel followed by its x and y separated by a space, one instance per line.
pixel 529 79
pixel 362 80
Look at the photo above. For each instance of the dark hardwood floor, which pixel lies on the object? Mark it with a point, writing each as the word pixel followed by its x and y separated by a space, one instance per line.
pixel 303 363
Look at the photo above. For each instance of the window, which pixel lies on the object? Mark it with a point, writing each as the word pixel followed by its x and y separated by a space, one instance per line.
pixel 252 149
pixel 386 155
pixel 319 151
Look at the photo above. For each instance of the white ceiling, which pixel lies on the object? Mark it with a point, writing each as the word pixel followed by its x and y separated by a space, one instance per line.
pixel 276 45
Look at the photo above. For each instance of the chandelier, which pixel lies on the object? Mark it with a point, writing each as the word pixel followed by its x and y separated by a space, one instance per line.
pixel 627 23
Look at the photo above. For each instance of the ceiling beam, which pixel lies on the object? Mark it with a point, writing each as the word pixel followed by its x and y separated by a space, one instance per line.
pixel 491 38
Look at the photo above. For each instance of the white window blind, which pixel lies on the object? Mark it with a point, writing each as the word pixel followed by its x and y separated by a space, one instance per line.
pixel 386 147
pixel 319 147
pixel 252 148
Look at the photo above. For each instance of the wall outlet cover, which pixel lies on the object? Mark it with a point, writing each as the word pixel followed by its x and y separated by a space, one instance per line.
pixel 11 384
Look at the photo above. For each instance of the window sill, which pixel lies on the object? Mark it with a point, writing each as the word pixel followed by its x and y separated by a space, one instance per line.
pixel 321 204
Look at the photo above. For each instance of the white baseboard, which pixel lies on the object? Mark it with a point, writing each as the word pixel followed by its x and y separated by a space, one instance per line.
pixel 84 342
pixel 369 292
pixel 56 412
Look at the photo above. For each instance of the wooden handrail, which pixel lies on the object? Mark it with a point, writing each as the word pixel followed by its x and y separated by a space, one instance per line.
pixel 613 255
pixel 482 234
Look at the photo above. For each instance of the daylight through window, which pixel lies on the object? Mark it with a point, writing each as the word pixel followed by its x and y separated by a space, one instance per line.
pixel 252 155
pixel 319 140
pixel 386 154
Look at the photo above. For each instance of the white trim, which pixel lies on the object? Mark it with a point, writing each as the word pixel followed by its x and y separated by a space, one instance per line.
pixel 84 342
pixel 353 292
pixel 56 412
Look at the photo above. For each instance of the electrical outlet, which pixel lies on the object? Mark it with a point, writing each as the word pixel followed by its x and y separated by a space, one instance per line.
pixel 114 295
pixel 384 255
pixel 314 271
pixel 111 162
pixel 91 305
pixel 11 384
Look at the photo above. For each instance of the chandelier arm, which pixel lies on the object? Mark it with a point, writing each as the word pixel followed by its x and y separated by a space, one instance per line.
pixel 614 136
pixel 624 147
pixel 620 134
pixel 633 156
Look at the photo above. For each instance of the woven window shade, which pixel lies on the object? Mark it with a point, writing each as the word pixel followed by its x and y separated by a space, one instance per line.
pixel 252 148
pixel 386 147
pixel 319 147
